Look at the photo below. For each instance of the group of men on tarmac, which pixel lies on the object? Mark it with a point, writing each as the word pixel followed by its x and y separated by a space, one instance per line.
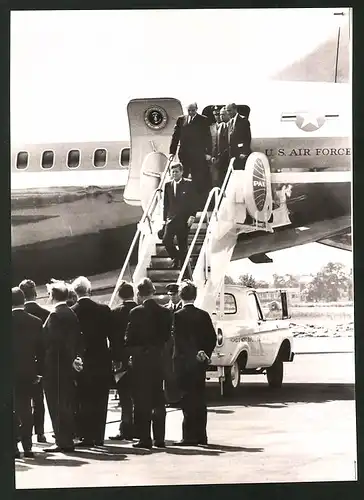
pixel 154 354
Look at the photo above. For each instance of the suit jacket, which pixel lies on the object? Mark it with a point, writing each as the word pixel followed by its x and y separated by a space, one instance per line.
pixel 28 346
pixel 194 138
pixel 193 332
pixel 170 306
pixel 63 343
pixel 183 204
pixel 36 310
pixel 149 327
pixel 120 316
pixel 239 137
pixel 97 326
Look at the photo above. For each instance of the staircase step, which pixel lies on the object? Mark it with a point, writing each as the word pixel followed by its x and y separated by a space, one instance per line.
pixel 163 275
pixel 159 262
pixel 162 252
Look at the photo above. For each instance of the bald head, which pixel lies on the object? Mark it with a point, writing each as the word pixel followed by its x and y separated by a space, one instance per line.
pixel 224 115
pixel 192 109
pixel 231 109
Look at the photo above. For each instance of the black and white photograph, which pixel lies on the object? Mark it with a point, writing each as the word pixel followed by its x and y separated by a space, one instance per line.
pixel 181 245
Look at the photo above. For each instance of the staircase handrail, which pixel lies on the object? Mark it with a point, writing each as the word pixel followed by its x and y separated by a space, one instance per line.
pixel 213 192
pixel 223 187
pixel 138 231
pixel 219 193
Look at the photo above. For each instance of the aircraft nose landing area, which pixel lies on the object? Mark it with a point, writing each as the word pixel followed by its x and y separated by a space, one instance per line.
pixel 301 433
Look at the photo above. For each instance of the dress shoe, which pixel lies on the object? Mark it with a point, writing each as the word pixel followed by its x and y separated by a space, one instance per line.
pixel 121 437
pixel 16 454
pixel 84 444
pixel 58 449
pixel 99 443
pixel 203 442
pixel 175 264
pixel 185 443
pixel 140 444
pixel 28 454
pixel 41 438
pixel 159 444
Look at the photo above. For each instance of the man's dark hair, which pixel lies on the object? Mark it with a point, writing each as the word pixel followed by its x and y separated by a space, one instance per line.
pixel 58 291
pixel 126 291
pixel 17 297
pixel 28 288
pixel 177 165
pixel 188 290
pixel 146 288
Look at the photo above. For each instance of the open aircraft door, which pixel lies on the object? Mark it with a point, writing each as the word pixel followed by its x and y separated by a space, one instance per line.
pixel 151 124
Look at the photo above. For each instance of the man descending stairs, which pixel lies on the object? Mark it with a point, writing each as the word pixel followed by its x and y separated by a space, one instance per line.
pixel 160 271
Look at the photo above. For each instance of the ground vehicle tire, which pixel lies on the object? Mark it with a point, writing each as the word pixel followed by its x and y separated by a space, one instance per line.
pixel 275 374
pixel 232 378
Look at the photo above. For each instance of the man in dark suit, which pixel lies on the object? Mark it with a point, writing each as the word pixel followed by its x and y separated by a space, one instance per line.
pixel 171 391
pixel 219 150
pixel 194 339
pixel 192 133
pixel 63 349
pixel 28 369
pixel 239 136
pixel 178 214
pixel 148 330
pixel 120 359
pixel 30 293
pixel 96 377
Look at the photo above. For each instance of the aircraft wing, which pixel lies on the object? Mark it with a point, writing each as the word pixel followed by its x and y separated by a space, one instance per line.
pixel 343 241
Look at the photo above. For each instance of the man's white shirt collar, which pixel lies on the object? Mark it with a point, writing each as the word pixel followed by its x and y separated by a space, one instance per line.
pixel 60 303
pixel 84 297
pixel 30 302
pixel 17 308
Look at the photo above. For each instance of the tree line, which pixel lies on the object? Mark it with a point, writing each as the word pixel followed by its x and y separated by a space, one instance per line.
pixel 332 283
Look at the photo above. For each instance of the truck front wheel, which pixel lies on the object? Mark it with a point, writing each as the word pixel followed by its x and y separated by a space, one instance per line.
pixel 232 378
pixel 275 374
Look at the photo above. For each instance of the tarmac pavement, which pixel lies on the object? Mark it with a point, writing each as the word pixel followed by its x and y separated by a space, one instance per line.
pixel 305 431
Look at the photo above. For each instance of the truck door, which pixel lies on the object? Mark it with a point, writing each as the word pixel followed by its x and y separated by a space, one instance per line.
pixel 268 334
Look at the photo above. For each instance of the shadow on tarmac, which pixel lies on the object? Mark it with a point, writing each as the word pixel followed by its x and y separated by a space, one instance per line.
pixel 260 395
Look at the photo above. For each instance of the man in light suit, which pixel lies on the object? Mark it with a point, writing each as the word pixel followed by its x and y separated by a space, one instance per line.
pixel 239 137
pixel 178 214
pixel 220 149
pixel 30 306
pixel 192 133
pixel 96 377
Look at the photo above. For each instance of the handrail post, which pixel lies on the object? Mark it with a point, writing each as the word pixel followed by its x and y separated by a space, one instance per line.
pixel 146 214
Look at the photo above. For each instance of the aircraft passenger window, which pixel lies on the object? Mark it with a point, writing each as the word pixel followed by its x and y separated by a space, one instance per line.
pixel 229 304
pixel 22 160
pixel 100 157
pixel 124 157
pixel 47 159
pixel 73 158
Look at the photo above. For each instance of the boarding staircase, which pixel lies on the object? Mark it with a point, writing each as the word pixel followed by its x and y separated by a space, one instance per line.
pixel 243 204
pixel 211 239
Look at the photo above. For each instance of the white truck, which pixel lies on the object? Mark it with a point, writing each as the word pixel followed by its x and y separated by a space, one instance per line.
pixel 251 339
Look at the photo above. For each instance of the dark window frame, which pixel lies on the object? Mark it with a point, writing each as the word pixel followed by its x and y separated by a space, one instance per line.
pixel 17 160
pixel 67 158
pixel 120 155
pixel 42 157
pixel 106 158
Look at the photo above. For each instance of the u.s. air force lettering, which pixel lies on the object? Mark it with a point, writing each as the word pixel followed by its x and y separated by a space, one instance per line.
pixel 155 117
pixel 308 152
